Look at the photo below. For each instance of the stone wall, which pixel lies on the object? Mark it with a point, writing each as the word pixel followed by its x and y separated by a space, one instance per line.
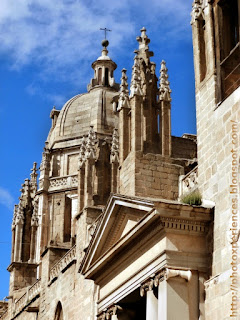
pixel 150 175
pixel 183 148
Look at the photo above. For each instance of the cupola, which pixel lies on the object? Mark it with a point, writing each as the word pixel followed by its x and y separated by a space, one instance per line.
pixel 103 70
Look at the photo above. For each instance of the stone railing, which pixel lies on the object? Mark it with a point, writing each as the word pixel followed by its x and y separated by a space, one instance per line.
pixel 31 293
pixel 63 182
pixel 34 290
pixel 62 264
pixel 189 182
pixel 4 316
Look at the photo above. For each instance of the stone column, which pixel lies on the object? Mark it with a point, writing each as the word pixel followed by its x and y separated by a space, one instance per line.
pixel 151 300
pixel 124 134
pixel 88 185
pixel 34 227
pixel 170 302
pixel 14 231
pixel 81 181
pixel 136 123
pixel 18 234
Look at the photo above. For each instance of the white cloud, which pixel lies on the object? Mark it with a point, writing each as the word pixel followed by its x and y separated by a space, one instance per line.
pixel 62 37
pixel 6 199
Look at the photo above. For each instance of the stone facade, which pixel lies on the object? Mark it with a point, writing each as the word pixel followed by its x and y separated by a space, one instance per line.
pixel 105 234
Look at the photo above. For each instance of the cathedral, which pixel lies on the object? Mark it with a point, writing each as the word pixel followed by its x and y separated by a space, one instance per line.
pixel 124 221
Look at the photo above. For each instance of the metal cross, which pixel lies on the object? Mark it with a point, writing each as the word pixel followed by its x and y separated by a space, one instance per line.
pixel 105 31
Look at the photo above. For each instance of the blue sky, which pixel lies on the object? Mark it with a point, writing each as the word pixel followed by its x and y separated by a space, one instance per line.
pixel 47 47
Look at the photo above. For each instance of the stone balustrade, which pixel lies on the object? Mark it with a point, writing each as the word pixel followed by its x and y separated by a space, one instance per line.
pixel 4 316
pixel 31 293
pixel 34 290
pixel 65 182
pixel 189 182
pixel 62 264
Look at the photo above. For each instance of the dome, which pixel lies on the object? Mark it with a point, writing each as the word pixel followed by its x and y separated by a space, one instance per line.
pixel 73 121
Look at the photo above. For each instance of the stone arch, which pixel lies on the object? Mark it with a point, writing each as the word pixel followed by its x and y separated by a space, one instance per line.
pixel 59 312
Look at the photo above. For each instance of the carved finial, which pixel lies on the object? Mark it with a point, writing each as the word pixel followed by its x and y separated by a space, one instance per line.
pixel 34 219
pixel 143 40
pixel 197 10
pixel 123 100
pixel 90 145
pixel 82 152
pixel 14 216
pixel 19 215
pixel 164 88
pixel 115 147
pixel 135 86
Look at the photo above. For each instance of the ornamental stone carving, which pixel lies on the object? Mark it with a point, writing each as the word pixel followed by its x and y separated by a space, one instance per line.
pixel 189 182
pixel 167 273
pixel 19 220
pixel 14 216
pixel 82 151
pixel 91 144
pixel 33 179
pixel 114 157
pixel 147 286
pixel 197 10
pixel 35 218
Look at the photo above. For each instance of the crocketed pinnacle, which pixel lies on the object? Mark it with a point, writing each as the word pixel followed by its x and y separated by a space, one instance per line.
pixel 82 151
pixel 34 218
pixel 19 215
pixel 14 216
pixel 123 100
pixel 164 88
pixel 90 145
pixel 135 87
pixel 33 179
pixel 115 147
pixel 197 10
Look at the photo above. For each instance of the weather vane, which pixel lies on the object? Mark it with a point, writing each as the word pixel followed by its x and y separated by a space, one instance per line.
pixel 105 31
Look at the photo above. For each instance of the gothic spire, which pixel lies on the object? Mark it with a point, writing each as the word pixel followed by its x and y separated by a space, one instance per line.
pixel 135 87
pixel 164 88
pixel 123 101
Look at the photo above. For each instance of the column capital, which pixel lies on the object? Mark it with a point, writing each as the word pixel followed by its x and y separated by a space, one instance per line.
pixel 146 286
pixel 167 273
pixel 111 311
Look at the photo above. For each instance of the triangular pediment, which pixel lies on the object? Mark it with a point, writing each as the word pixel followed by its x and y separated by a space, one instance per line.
pixel 122 214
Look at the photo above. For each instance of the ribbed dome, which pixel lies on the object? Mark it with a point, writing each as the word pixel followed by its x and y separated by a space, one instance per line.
pixel 92 108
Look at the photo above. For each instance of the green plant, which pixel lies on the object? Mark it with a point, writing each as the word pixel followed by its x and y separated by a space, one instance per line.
pixel 192 198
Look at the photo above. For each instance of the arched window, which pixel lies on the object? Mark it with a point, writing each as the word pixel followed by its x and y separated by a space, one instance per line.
pixel 59 312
